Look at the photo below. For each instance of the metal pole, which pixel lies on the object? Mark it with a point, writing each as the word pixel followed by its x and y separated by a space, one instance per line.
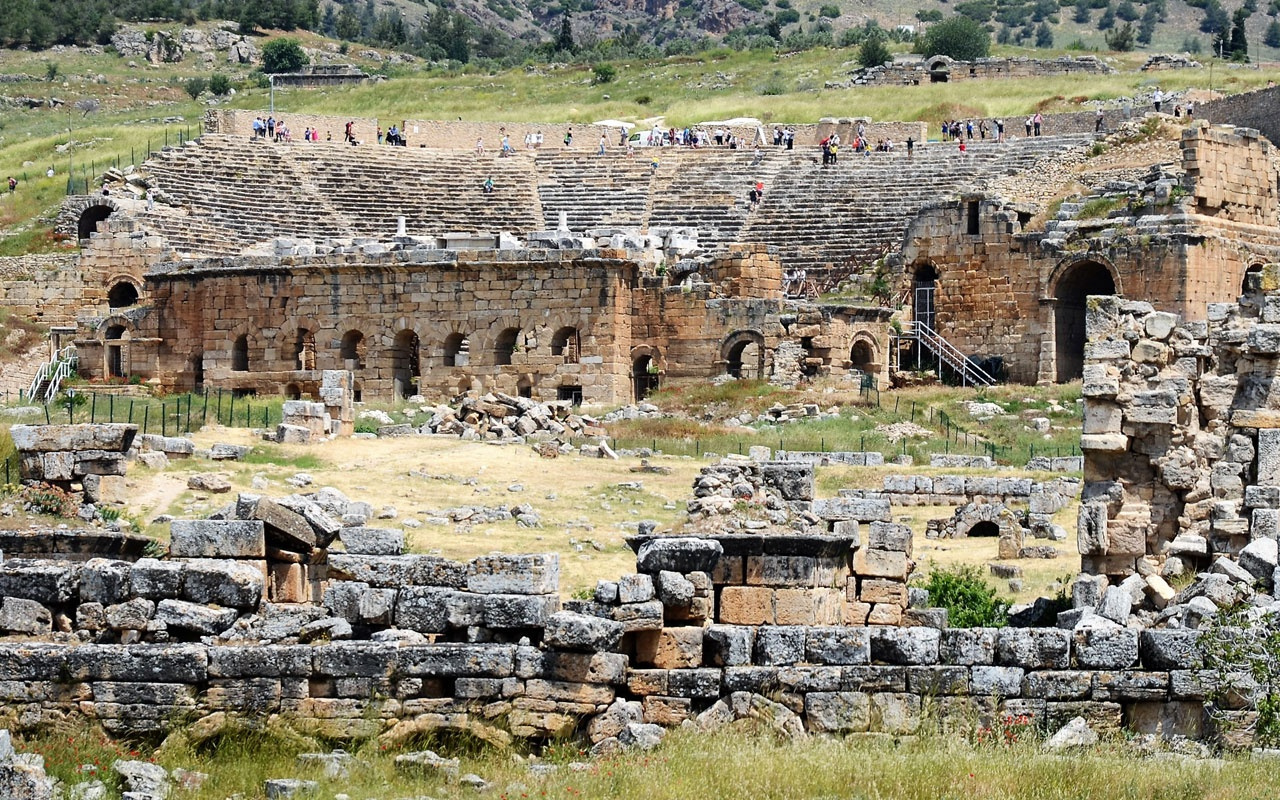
pixel 93 407
pixel 164 421
pixel 146 417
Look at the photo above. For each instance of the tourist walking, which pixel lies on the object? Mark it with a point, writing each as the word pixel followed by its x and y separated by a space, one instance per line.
pixel 568 138
pixel 1097 121
pixel 13 184
pixel 1036 122
pixel 488 185
pixel 603 145
pixel 1157 97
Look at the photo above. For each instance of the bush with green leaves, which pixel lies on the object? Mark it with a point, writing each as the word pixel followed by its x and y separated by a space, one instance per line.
pixel 968 598
pixel 958 37
pixel 1240 651
pixel 195 86
pixel 282 55
pixel 603 73
pixel 219 84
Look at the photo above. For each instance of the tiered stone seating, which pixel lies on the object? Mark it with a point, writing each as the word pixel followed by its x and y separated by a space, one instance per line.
pixel 817 218
pixel 436 191
pixel 594 191
pixel 822 217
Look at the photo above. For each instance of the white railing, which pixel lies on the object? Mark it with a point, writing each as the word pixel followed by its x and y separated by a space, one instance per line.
pixel 49 378
pixel 970 373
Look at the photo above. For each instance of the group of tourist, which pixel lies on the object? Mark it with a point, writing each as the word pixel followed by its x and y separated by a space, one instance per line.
pixel 395 136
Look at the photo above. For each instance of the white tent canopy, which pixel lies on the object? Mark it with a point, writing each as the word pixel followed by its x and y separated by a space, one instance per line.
pixel 736 122
pixel 615 123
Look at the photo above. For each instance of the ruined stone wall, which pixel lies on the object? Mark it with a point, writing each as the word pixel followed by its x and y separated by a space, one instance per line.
pixel 47 288
pixel 1233 173
pixel 1180 435
pixel 920 71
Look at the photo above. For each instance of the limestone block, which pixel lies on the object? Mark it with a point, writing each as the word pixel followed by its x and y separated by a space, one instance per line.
pixel 519 611
pixel 967 646
pixel 156 580
pixel 114 437
pixel 885 614
pixel 132 615
pixel 287 583
pixel 206 538
pixel 837 712
pixel 998 681
pixel 1169 649
pixel 746 605
pixel 667 711
pixel 1268 469
pixel 393 571
pixel 1091 528
pixel 236 584
pixel 1101 417
pixel 1264 339
pixel 1105 647
pixel 771 570
pixel 838 645
pixel 678 554
pixel 635 588
pixel 894 713
pixel 1159 325
pixel 876 590
pixel 905 646
pixel 675 648
pixel 25 616
pixel 1105 442
pixel 1033 648
pixel 780 645
pixel 514 574
pixel 881 564
pixel 845 508
pixel 890 536
pixel 571 631
pixel 206 620
pixel 103 580
pixel 1099 382
pixel 372 541
pixel 729 645
pixel 1259 559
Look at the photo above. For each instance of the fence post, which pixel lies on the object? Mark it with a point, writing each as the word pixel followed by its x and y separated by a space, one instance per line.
pixel 164 420
pixel 231 413
pixel 111 407
pixel 188 413
pixel 146 417
pixel 204 415
pixel 93 407
pixel 71 413
pixel 130 410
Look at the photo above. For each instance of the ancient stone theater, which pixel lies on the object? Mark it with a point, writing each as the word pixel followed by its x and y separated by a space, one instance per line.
pixel 554 272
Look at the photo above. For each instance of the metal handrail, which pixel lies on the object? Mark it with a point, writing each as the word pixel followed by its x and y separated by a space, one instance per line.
pixel 969 371
pixel 51 374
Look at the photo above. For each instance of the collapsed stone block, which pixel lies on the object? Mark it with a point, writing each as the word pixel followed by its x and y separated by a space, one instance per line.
pixel 514 574
pixel 206 538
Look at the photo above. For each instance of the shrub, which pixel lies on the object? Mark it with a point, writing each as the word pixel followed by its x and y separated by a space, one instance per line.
pixel 603 73
pixel 958 37
pixel 969 600
pixel 50 70
pixel 220 84
pixel 42 498
pixel 195 86
pixel 1121 39
pixel 829 11
pixel 1241 650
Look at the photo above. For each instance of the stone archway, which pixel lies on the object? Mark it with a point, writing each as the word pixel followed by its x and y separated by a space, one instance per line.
pixel 862 355
pixel 1254 269
pixel 122 294
pixel 743 355
pixel 406 367
pixel 87 224
pixel 1074 283
pixel 646 371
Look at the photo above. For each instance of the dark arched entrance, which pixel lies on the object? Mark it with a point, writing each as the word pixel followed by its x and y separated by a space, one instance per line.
pixel 1077 282
pixel 862 356
pixel 122 294
pixel 644 375
pixel 1250 278
pixel 923 290
pixel 404 364
pixel 744 355
pixel 89 220
pixel 984 529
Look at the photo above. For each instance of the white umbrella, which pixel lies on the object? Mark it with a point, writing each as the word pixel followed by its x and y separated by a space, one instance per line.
pixel 615 123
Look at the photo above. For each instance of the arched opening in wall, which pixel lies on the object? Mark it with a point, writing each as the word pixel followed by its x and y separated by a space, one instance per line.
pixel 862 356
pixel 405 368
pixel 924 287
pixel 985 529
pixel 525 387
pixel 122 294
pixel 292 392
pixel 115 352
pixel 304 349
pixel 566 343
pixel 240 354
pixel 504 346
pixel 1252 276
pixel 644 377
pixel 352 350
pixel 457 350
pixel 743 355
pixel 1077 283
pixel 197 372
pixel 357 392
pixel 89 220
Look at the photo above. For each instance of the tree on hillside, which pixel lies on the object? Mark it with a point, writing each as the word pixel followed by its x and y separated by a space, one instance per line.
pixel 1272 37
pixel 1081 16
pixel 873 51
pixel 1147 28
pixel 1044 36
pixel 1238 47
pixel 564 40
pixel 1108 19
pixel 282 55
pixel 1216 19
pixel 1121 39
pixel 958 37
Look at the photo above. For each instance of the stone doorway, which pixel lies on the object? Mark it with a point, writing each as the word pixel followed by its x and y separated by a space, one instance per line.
pixel 115 351
pixel 89 220
pixel 404 363
pixel 1076 283
pixel 644 377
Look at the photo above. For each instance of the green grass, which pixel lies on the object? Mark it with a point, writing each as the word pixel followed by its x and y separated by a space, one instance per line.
pixel 691 765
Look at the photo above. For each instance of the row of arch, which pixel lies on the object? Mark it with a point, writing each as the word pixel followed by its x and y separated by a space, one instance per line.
pixel 743 354
pixel 405 352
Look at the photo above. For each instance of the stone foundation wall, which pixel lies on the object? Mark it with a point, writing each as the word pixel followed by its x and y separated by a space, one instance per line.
pixel 47 288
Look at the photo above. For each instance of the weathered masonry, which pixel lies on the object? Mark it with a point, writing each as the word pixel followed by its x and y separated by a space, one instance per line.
pixel 587 325
pixel 1182 238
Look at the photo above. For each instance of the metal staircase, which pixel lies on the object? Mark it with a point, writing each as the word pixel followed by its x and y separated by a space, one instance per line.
pixel 49 378
pixel 933 342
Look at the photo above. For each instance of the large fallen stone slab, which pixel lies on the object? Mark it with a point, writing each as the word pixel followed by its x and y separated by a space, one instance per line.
pixel 117 437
